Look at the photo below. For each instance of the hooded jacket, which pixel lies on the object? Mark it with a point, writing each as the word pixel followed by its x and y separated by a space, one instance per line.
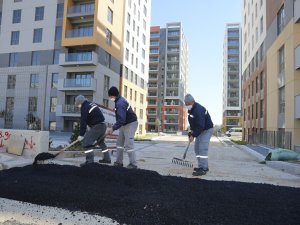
pixel 124 113
pixel 199 119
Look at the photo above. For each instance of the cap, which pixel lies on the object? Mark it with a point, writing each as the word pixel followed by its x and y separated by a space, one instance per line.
pixel 113 91
pixel 79 99
pixel 189 98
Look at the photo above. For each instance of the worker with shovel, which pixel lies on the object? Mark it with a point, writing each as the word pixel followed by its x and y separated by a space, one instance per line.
pixel 92 117
pixel 202 129
pixel 126 123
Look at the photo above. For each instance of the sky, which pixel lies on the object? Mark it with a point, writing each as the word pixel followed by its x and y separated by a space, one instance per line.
pixel 203 24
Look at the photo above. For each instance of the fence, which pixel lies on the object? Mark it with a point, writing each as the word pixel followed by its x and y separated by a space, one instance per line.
pixel 276 139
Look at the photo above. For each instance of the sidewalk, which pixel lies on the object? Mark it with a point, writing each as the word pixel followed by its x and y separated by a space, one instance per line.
pixel 259 152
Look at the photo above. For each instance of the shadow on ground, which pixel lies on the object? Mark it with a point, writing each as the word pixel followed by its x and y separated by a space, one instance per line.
pixel 145 197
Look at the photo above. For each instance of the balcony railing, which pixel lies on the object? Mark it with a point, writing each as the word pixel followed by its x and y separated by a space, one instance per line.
pixel 80 32
pixel 85 8
pixel 79 58
pixel 77 84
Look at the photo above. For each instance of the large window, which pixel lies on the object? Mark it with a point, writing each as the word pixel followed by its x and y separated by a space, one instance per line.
pixel 34 81
pixel 125 91
pixel 35 58
pixel 53 103
pixel 32 104
pixel 281 60
pixel 37 35
pixel 56 56
pixel 11 81
pixel 17 16
pixel 106 83
pixel 108 37
pixel 58 32
pixel 109 15
pixel 54 80
pixel 15 36
pixel 280 20
pixel 13 59
pixel 60 10
pixel 281 95
pixel 39 13
pixel 107 59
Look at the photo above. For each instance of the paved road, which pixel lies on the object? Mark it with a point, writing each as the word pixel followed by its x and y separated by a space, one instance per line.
pixel 226 162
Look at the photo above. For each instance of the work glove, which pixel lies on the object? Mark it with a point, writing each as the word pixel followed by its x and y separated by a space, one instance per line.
pixel 80 138
pixel 191 138
pixel 109 131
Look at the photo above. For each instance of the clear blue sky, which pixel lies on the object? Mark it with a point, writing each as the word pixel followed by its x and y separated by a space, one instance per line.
pixel 204 26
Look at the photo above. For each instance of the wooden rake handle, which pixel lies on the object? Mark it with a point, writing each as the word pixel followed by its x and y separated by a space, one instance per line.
pixel 187 148
pixel 70 145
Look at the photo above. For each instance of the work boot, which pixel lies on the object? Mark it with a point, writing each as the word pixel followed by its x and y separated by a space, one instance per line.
pixel 117 164
pixel 196 169
pixel 199 172
pixel 132 166
pixel 89 157
pixel 105 161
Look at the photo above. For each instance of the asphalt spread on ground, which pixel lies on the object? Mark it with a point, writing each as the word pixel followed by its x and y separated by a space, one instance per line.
pixel 145 197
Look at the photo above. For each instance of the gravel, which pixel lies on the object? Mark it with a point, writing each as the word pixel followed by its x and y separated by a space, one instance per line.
pixel 145 197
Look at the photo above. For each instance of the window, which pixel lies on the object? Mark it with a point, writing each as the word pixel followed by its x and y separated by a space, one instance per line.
pixel 52 126
pixel 127 54
pixel 135 94
pixel 35 58
pixel 109 15
pixel 15 35
pixel 144 24
pixel 17 16
pixel 145 11
pixel 105 102
pixel 131 77
pixel 107 59
pixel 11 81
pixel 256 110
pixel 281 100
pixel 138 31
pixel 126 72
pixel 141 114
pixel 143 53
pixel 54 80
pixel 143 68
pixel 127 36
pixel 132 42
pixel 125 91
pixel 261 80
pixel 261 25
pixel 58 32
pixel 144 39
pixel 106 83
pixel 134 9
pixel 142 83
pixel 141 98
pixel 39 13
pixel 128 18
pixel 108 37
pixel 56 56
pixel 136 62
pixel 130 94
pixel 53 103
pixel 136 79
pixel 133 25
pixel 132 58
pixel 137 46
pixel 34 81
pixel 37 35
pixel 10 101
pixel 281 61
pixel 13 59
pixel 0 18
pixel 256 84
pixel 60 10
pixel 32 104
pixel 261 108
pixel 280 20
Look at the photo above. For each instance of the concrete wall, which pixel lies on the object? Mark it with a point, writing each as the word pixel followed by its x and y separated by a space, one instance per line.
pixel 35 141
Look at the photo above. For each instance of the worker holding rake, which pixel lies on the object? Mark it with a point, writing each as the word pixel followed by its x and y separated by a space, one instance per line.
pixel 91 116
pixel 201 127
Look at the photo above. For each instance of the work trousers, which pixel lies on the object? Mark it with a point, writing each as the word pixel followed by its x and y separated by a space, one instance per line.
pixel 201 147
pixel 125 142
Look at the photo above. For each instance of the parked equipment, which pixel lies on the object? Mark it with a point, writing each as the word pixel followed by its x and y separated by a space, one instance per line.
pixel 183 162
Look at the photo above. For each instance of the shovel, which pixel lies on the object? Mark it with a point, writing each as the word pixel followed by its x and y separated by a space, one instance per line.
pixel 46 155
pixel 183 162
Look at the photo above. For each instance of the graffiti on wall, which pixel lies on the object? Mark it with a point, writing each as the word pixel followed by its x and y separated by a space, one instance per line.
pixel 29 143
pixel 4 136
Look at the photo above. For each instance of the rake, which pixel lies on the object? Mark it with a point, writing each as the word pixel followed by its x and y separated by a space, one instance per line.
pixel 183 162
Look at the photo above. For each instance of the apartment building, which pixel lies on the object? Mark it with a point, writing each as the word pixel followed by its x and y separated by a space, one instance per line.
pixel 168 71
pixel 253 67
pixel 135 57
pixel 52 51
pixel 232 77
pixel 283 73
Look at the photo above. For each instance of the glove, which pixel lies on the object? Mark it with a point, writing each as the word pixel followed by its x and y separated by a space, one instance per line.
pixel 191 138
pixel 109 131
pixel 190 134
pixel 80 138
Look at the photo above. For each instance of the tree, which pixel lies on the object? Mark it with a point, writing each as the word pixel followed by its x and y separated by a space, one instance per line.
pixel 157 124
pixel 33 122
pixel 75 132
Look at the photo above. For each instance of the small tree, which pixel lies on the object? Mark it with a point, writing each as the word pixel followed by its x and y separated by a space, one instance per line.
pixel 157 124
pixel 33 122
pixel 75 132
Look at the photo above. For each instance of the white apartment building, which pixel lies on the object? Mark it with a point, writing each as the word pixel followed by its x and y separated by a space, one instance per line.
pixel 135 57
pixel 232 76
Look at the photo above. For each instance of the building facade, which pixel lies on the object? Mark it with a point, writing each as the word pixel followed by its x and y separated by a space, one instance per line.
pixel 283 75
pixel 52 51
pixel 232 77
pixel 168 71
pixel 253 67
pixel 135 57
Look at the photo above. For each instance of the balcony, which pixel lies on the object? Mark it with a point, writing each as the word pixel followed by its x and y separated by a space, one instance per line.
pixel 80 58
pixel 80 32
pixel 67 110
pixel 88 84
pixel 171 112
pixel 153 113
pixel 81 10
pixel 153 77
pixel 297 57
pixel 152 86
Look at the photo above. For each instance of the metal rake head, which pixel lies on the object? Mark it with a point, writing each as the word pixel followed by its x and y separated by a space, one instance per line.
pixel 182 162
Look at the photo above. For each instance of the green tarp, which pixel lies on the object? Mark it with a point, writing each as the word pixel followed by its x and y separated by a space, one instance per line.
pixel 280 154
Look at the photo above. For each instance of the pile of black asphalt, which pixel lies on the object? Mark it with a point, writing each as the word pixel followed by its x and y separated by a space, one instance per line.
pixel 145 197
